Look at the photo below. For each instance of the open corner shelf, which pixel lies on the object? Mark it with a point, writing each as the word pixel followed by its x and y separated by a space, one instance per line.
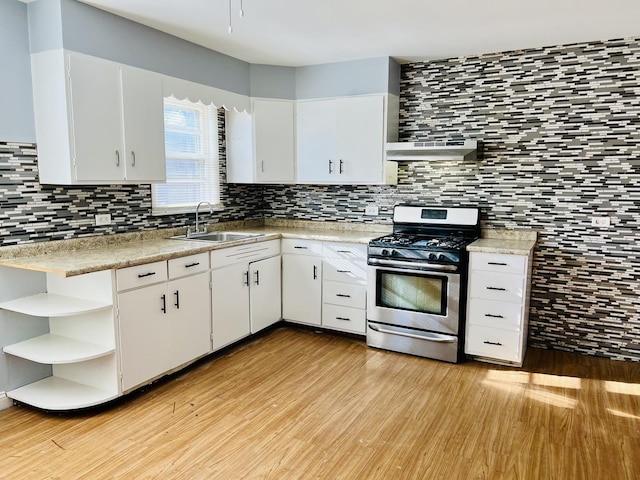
pixel 55 393
pixel 56 349
pixel 51 305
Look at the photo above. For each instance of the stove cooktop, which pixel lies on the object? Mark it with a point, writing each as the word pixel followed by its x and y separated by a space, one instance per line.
pixel 407 240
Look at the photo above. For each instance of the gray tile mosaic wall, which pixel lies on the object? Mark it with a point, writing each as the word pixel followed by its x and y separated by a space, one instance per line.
pixel 30 212
pixel 561 143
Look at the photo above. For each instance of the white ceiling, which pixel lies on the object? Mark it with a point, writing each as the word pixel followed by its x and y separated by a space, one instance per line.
pixel 306 32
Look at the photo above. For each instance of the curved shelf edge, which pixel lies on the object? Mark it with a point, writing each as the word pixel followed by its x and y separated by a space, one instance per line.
pixel 52 305
pixel 55 393
pixel 55 349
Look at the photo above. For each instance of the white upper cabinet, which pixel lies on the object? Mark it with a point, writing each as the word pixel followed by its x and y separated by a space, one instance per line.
pixel 97 122
pixel 261 146
pixel 341 141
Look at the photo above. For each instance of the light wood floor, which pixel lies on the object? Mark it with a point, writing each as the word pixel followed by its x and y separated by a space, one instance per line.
pixel 295 404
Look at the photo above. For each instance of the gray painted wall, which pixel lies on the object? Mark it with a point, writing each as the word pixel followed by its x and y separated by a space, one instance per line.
pixel 16 104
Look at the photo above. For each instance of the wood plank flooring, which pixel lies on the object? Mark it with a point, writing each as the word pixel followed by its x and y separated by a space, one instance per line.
pixel 296 404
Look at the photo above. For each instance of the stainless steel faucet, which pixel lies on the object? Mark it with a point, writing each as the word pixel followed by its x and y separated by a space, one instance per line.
pixel 197 226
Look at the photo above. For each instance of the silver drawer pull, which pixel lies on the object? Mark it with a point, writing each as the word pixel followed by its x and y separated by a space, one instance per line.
pixel 343 295
pixel 343 318
pixel 493 316
pixel 500 289
pixel 502 264
pixel 344 271
pixel 493 343
pixel 142 275
pixel 344 251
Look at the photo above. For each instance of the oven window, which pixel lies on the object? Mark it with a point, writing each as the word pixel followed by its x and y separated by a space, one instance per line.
pixel 409 291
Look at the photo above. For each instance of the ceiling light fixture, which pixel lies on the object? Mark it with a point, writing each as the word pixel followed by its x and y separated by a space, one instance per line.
pixel 240 14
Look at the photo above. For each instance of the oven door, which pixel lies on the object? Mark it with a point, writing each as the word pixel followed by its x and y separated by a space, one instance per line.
pixel 416 299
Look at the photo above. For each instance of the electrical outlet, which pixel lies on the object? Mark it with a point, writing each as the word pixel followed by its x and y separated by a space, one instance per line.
pixel 371 210
pixel 601 222
pixel 103 219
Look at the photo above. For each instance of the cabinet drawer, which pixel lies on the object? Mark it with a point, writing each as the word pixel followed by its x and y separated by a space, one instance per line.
pixel 497 286
pixel 493 342
pixel 490 313
pixel 498 262
pixel 343 318
pixel 341 270
pixel 180 267
pixel 302 247
pixel 345 294
pixel 349 251
pixel 141 275
pixel 248 252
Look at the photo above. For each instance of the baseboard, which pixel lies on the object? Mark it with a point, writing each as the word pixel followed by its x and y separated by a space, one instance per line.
pixel 5 402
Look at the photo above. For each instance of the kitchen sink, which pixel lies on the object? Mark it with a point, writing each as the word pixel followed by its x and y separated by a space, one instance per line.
pixel 217 237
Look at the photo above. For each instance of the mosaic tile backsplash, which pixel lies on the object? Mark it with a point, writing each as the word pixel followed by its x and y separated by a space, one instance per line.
pixel 561 144
pixel 560 129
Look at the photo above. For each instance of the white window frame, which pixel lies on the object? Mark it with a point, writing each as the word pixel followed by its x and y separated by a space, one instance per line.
pixel 209 155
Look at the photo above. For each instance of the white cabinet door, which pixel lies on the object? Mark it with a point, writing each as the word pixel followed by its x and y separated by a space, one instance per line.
pixel 230 304
pixel 265 293
pixel 261 146
pixel 188 303
pixel 360 139
pixel 302 288
pixel 143 115
pixel 96 119
pixel 145 335
pixel 316 141
pixel 97 122
pixel 273 138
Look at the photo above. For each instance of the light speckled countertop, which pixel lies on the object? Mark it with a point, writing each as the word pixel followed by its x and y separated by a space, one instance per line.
pixel 84 255
pixel 512 242
pixel 91 254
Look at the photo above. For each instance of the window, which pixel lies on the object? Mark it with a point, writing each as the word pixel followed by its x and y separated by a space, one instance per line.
pixel 191 149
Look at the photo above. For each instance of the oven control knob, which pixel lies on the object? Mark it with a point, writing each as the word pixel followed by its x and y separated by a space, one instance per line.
pixel 384 252
pixel 432 256
pixel 394 253
pixel 442 256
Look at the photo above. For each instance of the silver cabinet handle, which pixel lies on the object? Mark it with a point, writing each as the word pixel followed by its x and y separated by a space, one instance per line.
pixel 344 271
pixel 164 303
pixel 492 343
pixel 343 318
pixel 315 272
pixel 148 274
pixel 330 166
pixel 490 315
pixel 303 248
pixel 341 169
pixel 133 158
pixel 117 158
pixel 343 295
pixel 177 304
pixel 246 278
pixel 500 289
pixel 257 277
pixel 194 264
pixel 502 264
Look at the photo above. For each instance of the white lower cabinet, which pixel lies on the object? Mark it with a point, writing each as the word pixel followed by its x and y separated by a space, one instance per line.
pixel 245 290
pixel 344 295
pixel 80 345
pixel 497 307
pixel 302 281
pixel 162 317
pixel 324 284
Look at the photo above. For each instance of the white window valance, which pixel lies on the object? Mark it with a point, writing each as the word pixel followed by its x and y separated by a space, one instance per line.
pixel 205 94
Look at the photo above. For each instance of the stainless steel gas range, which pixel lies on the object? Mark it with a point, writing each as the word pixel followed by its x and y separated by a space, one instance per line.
pixel 416 281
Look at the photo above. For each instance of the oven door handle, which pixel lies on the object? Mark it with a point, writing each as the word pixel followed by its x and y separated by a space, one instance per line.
pixel 413 265
pixel 431 337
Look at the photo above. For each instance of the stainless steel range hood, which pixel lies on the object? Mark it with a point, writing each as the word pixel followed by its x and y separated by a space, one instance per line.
pixel 430 151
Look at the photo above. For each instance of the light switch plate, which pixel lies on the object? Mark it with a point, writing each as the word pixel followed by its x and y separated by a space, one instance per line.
pixel 601 222
pixel 371 210
pixel 103 219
